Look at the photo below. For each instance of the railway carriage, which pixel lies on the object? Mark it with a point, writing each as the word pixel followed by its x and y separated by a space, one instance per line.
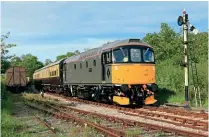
pixel 49 77
pixel 122 72
pixel 16 80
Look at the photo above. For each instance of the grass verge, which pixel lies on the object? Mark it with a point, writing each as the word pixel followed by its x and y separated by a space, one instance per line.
pixel 10 126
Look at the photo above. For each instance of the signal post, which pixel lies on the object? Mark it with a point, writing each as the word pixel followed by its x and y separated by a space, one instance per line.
pixel 183 20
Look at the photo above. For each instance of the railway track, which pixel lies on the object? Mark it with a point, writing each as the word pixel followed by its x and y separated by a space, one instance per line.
pixel 172 116
pixel 69 116
pixel 44 123
pixel 178 111
pixel 146 126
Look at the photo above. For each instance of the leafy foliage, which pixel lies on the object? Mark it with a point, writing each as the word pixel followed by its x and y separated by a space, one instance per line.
pixel 68 54
pixel 28 61
pixel 169 50
pixel 16 61
pixel 166 43
pixel 61 57
pixel 5 64
pixel 47 62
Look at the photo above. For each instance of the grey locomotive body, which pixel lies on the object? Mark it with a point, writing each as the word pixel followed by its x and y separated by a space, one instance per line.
pixel 121 71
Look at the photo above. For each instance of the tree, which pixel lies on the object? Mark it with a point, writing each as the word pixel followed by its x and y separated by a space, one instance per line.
pixel 5 64
pixel 169 53
pixel 198 43
pixel 29 62
pixel 60 57
pixel 16 61
pixel 68 54
pixel 47 62
pixel 167 43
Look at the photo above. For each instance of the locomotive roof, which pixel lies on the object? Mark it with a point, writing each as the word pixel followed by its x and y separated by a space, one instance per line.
pixel 98 50
pixel 109 45
pixel 52 64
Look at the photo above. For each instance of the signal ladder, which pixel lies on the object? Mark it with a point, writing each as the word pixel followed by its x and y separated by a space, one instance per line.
pixel 193 66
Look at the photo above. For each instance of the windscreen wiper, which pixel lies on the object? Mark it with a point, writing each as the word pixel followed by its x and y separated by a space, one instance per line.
pixel 122 52
pixel 146 51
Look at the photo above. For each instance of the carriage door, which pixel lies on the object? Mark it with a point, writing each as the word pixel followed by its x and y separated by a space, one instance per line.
pixel 106 66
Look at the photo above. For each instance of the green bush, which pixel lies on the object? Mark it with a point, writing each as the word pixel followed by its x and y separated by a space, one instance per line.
pixel 169 53
pixel 3 88
pixel 9 125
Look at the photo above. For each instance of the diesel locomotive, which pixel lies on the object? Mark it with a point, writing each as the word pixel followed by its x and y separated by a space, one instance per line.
pixel 121 72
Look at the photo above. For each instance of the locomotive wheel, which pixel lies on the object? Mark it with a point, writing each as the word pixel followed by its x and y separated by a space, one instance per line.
pixel 97 98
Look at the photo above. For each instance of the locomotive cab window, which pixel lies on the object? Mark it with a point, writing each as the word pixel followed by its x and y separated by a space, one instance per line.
pixel 148 55
pixel 120 55
pixel 107 57
pixel 135 55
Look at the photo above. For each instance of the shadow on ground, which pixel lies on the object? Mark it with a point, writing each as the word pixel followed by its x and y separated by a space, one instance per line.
pixel 162 95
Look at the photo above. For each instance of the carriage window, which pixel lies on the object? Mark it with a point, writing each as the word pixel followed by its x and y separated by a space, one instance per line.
pixel 148 55
pixel 87 64
pixel 94 62
pixel 120 55
pixel 135 55
pixel 74 66
pixel 80 66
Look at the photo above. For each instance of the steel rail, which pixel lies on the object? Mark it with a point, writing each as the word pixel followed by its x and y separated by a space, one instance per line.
pixel 186 122
pixel 46 124
pixel 60 114
pixel 148 126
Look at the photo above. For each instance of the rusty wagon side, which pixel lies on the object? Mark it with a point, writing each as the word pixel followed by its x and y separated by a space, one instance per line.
pixel 16 80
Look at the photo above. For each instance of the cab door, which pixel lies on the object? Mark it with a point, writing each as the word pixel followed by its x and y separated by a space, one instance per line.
pixel 64 73
pixel 106 66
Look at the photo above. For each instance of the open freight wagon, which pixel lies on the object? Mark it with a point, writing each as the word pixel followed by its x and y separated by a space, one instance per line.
pixel 16 80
